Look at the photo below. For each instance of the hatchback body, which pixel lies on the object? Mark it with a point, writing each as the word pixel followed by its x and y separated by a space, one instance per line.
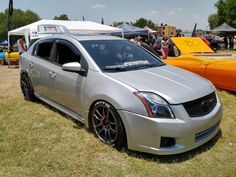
pixel 122 92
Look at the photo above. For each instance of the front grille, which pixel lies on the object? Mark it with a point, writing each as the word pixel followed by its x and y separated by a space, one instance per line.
pixel 201 106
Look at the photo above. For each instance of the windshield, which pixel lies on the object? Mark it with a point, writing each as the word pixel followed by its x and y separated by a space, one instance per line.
pixel 120 55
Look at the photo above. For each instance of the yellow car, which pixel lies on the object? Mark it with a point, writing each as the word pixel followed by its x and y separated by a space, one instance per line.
pixel 197 57
pixel 14 58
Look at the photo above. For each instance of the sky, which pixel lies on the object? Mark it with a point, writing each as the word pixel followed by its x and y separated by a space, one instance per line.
pixel 180 13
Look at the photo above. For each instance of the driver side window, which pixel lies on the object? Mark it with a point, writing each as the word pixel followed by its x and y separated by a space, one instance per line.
pixel 65 54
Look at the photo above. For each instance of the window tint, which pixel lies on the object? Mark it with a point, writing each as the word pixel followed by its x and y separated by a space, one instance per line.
pixel 119 55
pixel 65 54
pixel 44 49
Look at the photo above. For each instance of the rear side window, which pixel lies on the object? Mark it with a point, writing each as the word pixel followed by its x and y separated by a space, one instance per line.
pixel 44 49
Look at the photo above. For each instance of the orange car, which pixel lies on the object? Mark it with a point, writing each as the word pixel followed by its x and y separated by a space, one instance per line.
pixel 197 57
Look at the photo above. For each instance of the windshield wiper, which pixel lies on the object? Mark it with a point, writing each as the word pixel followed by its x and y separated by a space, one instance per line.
pixel 146 66
pixel 115 69
pixel 129 68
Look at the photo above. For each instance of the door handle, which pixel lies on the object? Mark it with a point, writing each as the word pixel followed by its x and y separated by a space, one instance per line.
pixel 31 65
pixel 52 74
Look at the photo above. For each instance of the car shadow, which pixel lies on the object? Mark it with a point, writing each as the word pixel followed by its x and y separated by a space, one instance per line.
pixel 232 93
pixel 165 159
pixel 77 124
pixel 227 91
pixel 168 159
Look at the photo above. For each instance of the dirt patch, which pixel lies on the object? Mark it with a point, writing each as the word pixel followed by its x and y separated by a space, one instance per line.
pixel 8 74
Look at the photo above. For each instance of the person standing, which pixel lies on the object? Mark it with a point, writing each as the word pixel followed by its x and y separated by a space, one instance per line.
pixel 21 45
pixel 226 42
pixel 165 47
pixel 231 42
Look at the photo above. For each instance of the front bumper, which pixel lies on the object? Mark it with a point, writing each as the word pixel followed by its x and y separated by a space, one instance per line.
pixel 144 134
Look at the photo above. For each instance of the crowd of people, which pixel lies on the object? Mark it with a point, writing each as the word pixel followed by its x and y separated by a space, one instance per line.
pixel 165 48
pixel 229 42
pixel 19 46
pixel 3 48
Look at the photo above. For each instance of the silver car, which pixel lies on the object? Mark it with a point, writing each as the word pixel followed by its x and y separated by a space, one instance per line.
pixel 122 92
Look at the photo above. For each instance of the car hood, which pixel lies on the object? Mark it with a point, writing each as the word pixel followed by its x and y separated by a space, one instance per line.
pixel 191 45
pixel 173 84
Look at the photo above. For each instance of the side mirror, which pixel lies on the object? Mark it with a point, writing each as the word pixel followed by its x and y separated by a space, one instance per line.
pixel 72 67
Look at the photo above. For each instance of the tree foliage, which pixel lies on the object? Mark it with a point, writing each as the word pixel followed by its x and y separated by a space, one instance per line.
pixel 213 21
pixel 226 10
pixel 142 22
pixel 61 17
pixel 118 23
pixel 19 18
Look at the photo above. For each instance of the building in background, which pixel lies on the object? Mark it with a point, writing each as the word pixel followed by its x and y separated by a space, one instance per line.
pixel 166 30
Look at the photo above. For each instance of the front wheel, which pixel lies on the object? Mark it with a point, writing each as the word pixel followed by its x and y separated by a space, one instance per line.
pixel 107 125
pixel 27 88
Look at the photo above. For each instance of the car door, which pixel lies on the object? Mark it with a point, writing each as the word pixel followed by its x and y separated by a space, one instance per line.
pixel 68 87
pixel 39 67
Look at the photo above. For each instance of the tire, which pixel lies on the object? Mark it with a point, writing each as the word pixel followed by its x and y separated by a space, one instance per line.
pixel 2 61
pixel 27 88
pixel 106 124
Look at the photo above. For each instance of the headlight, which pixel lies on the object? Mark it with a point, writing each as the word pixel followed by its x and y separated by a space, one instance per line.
pixel 156 106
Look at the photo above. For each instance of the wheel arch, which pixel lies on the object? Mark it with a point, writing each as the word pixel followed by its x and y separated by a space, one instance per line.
pixel 96 99
pixel 2 61
pixel 89 120
pixel 23 72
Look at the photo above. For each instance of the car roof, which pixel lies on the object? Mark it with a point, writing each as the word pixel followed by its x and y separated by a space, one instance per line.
pixel 83 37
pixel 97 37
pixel 75 37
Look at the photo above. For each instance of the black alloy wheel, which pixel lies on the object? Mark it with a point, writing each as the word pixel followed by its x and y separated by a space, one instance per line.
pixel 107 124
pixel 27 88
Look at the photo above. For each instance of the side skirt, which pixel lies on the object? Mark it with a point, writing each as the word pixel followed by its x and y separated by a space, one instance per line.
pixel 61 108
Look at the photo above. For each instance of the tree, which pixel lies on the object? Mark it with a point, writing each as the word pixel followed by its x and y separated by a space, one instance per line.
pixel 142 22
pixel 61 17
pixel 19 18
pixel 118 23
pixel 179 30
pixel 226 12
pixel 213 21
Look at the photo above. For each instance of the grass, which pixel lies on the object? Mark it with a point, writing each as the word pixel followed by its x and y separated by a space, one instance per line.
pixel 36 140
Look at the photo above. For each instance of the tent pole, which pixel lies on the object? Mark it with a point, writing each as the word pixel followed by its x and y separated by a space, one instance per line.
pixel 8 50
pixel 26 35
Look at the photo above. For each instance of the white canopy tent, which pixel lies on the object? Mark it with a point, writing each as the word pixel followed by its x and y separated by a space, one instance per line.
pixel 150 31
pixel 43 28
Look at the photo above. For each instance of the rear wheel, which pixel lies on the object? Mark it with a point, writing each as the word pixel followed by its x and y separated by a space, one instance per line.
pixel 107 125
pixel 27 88
pixel 2 61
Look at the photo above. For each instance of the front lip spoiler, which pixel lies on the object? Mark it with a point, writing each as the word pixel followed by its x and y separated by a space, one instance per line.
pixel 204 134
pixel 178 149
